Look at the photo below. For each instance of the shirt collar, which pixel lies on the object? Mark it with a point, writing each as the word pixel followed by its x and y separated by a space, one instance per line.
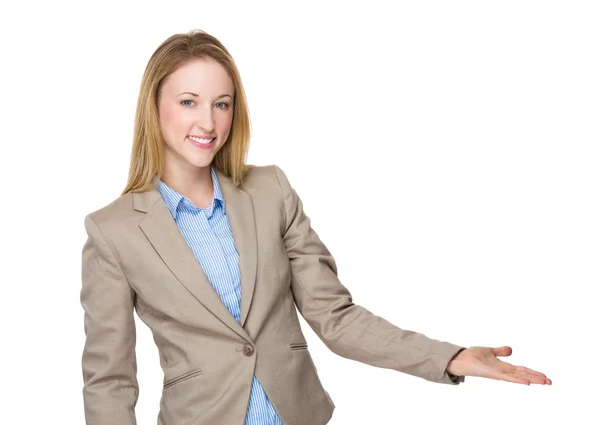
pixel 173 198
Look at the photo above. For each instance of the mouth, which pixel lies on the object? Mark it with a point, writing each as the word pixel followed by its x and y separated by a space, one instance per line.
pixel 201 142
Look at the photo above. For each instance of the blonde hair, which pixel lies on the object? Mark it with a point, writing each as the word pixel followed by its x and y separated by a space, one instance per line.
pixel 147 150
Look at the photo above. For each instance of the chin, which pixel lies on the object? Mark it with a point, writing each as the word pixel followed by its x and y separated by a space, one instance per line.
pixel 200 163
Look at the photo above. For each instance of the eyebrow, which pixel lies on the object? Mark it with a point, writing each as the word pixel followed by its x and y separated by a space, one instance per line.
pixel 197 95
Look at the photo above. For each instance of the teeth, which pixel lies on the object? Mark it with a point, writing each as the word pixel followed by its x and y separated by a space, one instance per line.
pixel 201 140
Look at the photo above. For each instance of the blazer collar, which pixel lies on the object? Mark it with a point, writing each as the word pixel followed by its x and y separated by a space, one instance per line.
pixel 173 198
pixel 163 233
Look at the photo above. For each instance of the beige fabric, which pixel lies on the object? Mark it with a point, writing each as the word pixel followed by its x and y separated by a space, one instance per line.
pixel 136 256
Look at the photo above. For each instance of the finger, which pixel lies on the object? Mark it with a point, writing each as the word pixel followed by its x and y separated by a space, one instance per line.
pixel 510 377
pixel 506 369
pixel 536 376
pixel 534 379
pixel 533 372
pixel 503 351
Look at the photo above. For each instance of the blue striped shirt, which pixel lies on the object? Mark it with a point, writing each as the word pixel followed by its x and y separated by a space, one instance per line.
pixel 209 236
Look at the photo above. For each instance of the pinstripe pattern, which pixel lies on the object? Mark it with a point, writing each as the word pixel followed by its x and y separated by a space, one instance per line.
pixel 209 236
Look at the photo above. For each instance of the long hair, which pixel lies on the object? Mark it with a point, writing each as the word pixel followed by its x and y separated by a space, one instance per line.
pixel 147 153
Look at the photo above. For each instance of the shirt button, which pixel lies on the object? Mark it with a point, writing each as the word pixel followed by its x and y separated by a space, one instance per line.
pixel 248 350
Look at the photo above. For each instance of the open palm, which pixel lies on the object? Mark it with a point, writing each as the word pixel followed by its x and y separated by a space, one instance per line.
pixel 484 362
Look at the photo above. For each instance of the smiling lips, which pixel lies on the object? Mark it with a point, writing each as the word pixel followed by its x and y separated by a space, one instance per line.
pixel 201 140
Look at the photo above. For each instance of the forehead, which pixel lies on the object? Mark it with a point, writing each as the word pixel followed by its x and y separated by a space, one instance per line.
pixel 204 75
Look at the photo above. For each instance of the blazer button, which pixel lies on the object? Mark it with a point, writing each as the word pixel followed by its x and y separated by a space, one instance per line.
pixel 248 350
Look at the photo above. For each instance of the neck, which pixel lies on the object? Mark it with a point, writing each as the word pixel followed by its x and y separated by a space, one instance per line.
pixel 194 184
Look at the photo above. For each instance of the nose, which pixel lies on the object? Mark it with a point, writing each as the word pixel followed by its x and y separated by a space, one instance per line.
pixel 205 119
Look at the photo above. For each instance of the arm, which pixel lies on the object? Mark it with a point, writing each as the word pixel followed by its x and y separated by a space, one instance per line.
pixel 348 329
pixel 110 389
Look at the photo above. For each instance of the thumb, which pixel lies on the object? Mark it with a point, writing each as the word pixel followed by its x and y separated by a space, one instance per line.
pixel 503 351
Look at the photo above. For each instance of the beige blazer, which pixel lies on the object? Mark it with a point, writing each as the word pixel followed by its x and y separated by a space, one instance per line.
pixel 136 257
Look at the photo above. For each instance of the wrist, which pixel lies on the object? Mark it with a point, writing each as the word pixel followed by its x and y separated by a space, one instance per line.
pixel 452 369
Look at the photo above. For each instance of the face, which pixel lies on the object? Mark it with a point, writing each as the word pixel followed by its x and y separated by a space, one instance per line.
pixel 195 104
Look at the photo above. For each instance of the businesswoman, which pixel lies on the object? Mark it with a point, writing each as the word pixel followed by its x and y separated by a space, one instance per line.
pixel 215 256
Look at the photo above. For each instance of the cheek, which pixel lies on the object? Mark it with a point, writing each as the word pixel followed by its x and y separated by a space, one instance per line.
pixel 171 121
pixel 224 124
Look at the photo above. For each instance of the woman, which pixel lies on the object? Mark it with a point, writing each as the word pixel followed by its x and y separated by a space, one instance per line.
pixel 215 256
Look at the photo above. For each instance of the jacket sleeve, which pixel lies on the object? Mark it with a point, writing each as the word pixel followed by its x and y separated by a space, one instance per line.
pixel 350 330
pixel 110 390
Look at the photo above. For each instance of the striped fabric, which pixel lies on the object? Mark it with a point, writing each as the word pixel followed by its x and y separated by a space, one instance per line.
pixel 209 236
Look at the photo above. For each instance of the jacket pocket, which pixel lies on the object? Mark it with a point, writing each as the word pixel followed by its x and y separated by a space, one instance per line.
pixel 299 346
pixel 183 377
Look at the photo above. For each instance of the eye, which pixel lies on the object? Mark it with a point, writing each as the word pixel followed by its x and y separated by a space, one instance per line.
pixel 187 105
pixel 226 105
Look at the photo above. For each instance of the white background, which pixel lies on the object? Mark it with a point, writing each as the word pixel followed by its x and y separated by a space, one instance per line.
pixel 447 154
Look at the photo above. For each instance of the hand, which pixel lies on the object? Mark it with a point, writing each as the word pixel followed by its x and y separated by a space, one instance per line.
pixel 482 362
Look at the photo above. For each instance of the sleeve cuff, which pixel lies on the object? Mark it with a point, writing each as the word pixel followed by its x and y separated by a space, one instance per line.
pixel 456 379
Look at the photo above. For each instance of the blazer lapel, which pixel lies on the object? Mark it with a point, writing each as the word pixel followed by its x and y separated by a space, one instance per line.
pixel 164 234
pixel 240 214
